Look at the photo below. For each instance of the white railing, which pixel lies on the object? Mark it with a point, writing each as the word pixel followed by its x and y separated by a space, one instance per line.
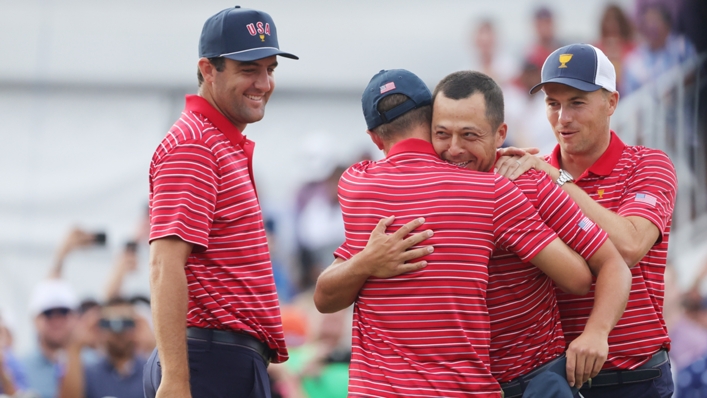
pixel 664 114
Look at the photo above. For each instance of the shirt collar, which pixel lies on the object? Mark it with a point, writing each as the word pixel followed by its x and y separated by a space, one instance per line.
pixel 199 104
pixel 412 145
pixel 606 162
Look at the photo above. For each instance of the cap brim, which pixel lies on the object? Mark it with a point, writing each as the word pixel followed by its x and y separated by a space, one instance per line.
pixel 258 53
pixel 568 81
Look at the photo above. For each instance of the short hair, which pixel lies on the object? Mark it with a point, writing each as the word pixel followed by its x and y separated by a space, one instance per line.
pixel 409 119
pixel 218 62
pixel 463 84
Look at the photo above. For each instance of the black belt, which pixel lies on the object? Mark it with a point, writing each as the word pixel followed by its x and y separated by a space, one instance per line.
pixel 645 372
pixel 515 387
pixel 232 338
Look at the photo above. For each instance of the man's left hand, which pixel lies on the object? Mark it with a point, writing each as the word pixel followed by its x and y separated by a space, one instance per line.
pixel 585 357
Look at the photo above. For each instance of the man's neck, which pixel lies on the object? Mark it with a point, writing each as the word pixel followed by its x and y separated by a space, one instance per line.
pixel 51 353
pixel 206 94
pixel 122 365
pixel 577 164
pixel 419 132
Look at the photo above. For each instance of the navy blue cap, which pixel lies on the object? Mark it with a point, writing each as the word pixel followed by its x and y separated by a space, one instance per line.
pixel 581 66
pixel 240 34
pixel 394 81
pixel 552 382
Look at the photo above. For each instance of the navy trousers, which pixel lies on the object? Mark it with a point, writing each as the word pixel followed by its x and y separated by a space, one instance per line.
pixel 661 387
pixel 216 370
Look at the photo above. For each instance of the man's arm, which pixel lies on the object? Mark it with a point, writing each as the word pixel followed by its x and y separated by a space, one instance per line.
pixel 384 256
pixel 633 236
pixel 588 352
pixel 169 299
pixel 565 267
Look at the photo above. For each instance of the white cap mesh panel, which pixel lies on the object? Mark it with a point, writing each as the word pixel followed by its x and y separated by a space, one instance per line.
pixel 606 74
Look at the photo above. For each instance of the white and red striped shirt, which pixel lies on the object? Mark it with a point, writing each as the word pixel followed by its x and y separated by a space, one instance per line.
pixel 630 181
pixel 202 191
pixel 525 321
pixel 426 333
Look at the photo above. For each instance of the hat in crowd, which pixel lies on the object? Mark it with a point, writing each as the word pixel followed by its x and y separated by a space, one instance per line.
pixel 581 66
pixel 240 34
pixel 50 294
pixel 388 82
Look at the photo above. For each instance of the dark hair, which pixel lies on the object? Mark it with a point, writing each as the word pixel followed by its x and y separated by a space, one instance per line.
pixel 117 301
pixel 399 125
pixel 625 27
pixel 663 11
pixel 218 62
pixel 463 84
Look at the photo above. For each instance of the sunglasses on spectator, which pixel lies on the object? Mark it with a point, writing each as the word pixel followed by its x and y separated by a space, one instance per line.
pixel 116 325
pixel 56 312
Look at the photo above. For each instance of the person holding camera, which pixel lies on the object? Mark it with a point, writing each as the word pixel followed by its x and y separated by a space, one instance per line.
pixel 118 371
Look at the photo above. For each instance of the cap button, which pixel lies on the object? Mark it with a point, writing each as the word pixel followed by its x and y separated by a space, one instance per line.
pixel 237 7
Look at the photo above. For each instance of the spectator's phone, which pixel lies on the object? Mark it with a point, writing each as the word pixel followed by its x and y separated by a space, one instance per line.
pixel 131 246
pixel 99 238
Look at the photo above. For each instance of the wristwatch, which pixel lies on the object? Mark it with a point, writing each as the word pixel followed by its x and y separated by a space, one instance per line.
pixel 563 178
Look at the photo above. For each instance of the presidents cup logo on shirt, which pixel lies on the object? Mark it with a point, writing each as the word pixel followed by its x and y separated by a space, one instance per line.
pixel 259 29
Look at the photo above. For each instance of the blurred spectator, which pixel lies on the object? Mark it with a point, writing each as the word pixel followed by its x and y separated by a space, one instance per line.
pixel 319 225
pixel 687 329
pixel 616 37
pixel 659 50
pixel 53 306
pixel 525 113
pixel 692 380
pixel 319 363
pixel 487 56
pixel 12 376
pixel 281 272
pixel 545 35
pixel 118 373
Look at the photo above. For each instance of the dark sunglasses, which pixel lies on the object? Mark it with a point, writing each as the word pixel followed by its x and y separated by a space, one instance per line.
pixel 116 325
pixel 56 312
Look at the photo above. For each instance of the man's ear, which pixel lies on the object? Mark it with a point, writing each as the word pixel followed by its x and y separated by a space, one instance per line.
pixel 207 70
pixel 501 132
pixel 613 101
pixel 376 139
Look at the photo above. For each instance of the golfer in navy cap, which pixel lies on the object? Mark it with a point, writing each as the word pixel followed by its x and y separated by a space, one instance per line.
pixel 214 304
pixel 629 191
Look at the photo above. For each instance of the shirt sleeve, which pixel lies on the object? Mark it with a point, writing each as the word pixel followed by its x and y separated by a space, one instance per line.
pixel 517 225
pixel 562 214
pixel 650 190
pixel 183 191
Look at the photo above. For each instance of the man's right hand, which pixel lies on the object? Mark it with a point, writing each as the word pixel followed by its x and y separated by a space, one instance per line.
pixel 387 255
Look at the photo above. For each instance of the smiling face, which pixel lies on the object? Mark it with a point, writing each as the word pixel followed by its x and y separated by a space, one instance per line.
pixel 241 90
pixel 580 119
pixel 462 133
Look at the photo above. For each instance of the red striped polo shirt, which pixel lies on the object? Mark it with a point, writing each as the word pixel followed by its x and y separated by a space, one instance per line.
pixel 202 191
pixel 525 321
pixel 426 333
pixel 630 181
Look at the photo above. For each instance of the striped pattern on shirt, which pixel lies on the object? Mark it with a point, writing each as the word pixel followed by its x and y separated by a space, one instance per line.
pixel 613 181
pixel 201 191
pixel 525 321
pixel 426 333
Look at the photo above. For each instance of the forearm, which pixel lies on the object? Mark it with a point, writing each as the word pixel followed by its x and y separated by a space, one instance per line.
pixel 611 291
pixel 623 233
pixel 72 384
pixel 339 284
pixel 115 283
pixel 169 300
pixel 6 384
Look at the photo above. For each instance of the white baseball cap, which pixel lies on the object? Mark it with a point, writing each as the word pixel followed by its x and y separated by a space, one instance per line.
pixel 50 294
